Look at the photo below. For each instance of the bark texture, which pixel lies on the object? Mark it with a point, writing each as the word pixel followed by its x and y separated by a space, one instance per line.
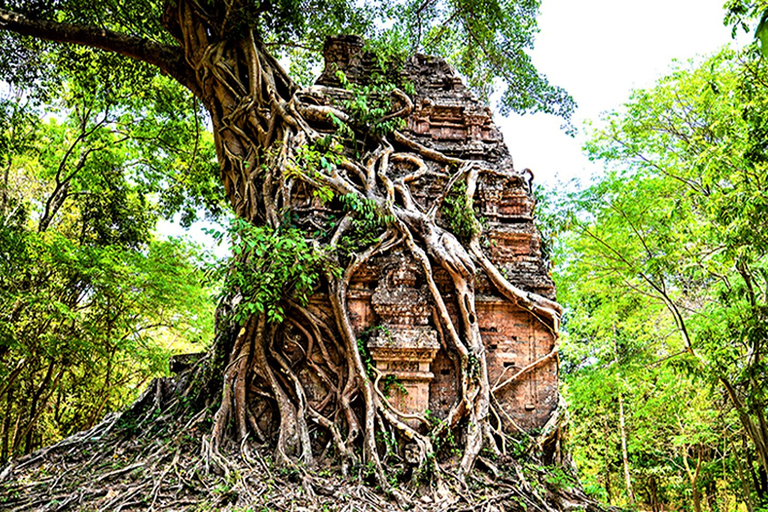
pixel 351 179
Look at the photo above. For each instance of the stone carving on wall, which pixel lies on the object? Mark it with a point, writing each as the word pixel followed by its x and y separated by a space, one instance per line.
pixel 405 344
pixel 388 294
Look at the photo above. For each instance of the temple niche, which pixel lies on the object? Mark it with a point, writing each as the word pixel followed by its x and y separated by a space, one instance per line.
pixel 388 298
pixel 404 345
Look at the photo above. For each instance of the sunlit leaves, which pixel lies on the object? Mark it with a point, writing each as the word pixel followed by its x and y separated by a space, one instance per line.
pixel 664 273
pixel 487 41
pixel 270 267
pixel 104 317
pixel 85 290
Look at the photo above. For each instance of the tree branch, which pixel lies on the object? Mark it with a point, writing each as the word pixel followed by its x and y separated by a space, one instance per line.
pixel 170 59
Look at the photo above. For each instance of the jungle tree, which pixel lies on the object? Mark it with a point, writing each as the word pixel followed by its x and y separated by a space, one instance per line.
pixel 90 301
pixel 268 148
pixel 676 229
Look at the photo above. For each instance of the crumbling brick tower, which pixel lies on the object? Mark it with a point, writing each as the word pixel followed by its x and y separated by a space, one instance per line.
pixel 389 294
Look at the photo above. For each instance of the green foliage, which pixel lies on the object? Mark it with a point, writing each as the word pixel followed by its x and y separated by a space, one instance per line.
pixel 156 128
pixel 370 106
pixel 557 478
pixel 520 445
pixel 484 41
pixel 658 267
pixel 459 212
pixel 487 42
pixel 271 266
pixel 473 366
pixel 740 14
pixel 368 223
pixel 321 157
pixel 92 304
pixel 443 439
pixel 390 381
pixel 362 348
pixel 176 157
pixel 390 50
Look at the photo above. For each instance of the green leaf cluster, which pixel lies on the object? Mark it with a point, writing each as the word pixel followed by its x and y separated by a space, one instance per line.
pixel 662 267
pixel 320 158
pixel 271 266
pixel 459 213
pixel 368 223
pixel 370 105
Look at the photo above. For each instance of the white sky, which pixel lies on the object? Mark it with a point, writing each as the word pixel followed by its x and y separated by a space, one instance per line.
pixel 599 50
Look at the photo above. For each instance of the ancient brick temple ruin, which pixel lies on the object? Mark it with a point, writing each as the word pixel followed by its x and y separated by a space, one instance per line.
pixel 389 298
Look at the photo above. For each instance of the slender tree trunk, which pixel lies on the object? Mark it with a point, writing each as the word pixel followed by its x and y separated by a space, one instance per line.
pixel 747 492
pixel 756 475
pixel 757 432
pixel 607 459
pixel 102 397
pixel 33 407
pixel 57 407
pixel 654 494
pixel 624 453
pixel 4 451
pixel 4 189
pixel 696 497
pixel 12 440
pixel 693 475
pixel 711 500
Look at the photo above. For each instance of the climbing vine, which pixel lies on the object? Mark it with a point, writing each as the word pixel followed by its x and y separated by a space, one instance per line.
pixel 457 210
pixel 270 267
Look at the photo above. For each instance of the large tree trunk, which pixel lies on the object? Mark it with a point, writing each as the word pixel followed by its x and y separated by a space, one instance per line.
pixel 264 128
pixel 261 124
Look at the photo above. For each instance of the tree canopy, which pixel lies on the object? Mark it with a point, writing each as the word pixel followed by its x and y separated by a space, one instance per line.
pixel 486 41
pixel 663 272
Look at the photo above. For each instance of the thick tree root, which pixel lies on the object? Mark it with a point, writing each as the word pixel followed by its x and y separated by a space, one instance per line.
pixel 354 409
pixel 117 466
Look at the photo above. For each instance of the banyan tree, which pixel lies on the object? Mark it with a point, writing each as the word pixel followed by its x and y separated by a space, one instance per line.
pixel 388 297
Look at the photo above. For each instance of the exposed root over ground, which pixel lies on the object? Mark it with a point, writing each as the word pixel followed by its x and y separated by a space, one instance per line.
pixel 149 458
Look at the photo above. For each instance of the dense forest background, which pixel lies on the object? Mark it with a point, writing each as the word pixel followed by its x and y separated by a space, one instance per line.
pixel 661 263
pixel 93 302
